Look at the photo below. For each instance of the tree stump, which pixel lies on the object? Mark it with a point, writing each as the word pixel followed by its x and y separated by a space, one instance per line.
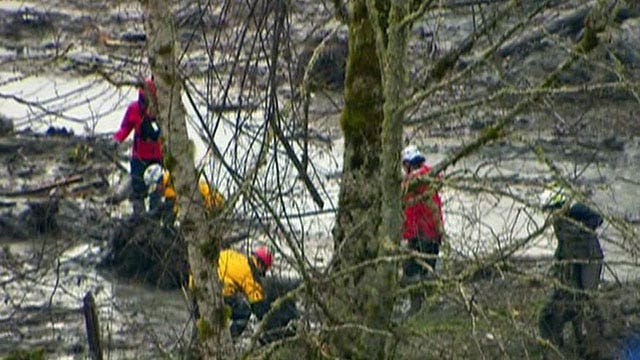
pixel 143 250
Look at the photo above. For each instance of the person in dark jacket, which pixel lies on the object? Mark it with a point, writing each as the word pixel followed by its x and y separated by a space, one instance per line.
pixel 146 148
pixel 578 266
pixel 423 226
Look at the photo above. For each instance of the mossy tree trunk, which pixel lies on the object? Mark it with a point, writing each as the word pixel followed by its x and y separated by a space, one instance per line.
pixel 369 217
pixel 203 249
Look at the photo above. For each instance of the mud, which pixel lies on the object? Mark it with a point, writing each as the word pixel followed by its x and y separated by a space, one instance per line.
pixel 62 238
pixel 58 231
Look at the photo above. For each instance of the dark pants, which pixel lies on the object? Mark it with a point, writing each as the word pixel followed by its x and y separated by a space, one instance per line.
pixel 412 267
pixel 415 270
pixel 168 214
pixel 571 302
pixel 140 191
pixel 240 314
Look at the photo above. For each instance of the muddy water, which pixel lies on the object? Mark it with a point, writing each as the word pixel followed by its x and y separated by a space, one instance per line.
pixel 43 301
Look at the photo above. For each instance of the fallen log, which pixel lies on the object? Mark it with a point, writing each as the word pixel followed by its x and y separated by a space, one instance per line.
pixel 42 190
pixel 7 203
pixel 86 188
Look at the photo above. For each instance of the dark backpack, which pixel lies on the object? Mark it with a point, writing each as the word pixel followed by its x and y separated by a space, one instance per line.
pixel 150 128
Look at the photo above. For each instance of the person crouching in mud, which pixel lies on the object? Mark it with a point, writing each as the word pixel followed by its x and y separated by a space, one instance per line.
pixel 160 182
pixel 241 277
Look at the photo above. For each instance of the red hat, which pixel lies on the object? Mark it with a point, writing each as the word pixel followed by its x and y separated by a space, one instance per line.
pixel 264 254
pixel 148 85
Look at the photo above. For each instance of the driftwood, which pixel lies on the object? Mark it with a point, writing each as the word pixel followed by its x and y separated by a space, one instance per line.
pixel 41 190
pixel 570 24
pixel 90 185
pixel 93 326
pixel 7 203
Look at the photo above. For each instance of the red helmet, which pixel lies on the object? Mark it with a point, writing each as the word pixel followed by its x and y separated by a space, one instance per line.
pixel 264 254
pixel 148 85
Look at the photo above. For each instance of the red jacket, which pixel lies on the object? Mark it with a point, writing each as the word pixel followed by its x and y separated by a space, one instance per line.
pixel 419 220
pixel 142 149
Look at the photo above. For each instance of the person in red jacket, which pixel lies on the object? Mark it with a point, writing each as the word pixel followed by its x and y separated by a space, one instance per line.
pixel 423 226
pixel 146 148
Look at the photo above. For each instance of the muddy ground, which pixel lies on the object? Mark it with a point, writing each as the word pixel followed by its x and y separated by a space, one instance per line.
pixel 63 236
pixel 56 226
pixel 53 198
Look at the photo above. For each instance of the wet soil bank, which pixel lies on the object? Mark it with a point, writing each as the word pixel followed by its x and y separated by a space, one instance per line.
pixel 62 237
pixel 56 232
pixel 58 236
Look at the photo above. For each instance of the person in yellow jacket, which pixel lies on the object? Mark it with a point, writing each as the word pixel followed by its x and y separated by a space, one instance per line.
pixel 213 200
pixel 241 286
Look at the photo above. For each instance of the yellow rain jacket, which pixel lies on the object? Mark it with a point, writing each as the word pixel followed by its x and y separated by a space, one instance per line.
pixel 212 201
pixel 169 191
pixel 236 275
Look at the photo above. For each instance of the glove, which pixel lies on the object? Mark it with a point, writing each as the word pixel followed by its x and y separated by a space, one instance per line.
pixel 114 145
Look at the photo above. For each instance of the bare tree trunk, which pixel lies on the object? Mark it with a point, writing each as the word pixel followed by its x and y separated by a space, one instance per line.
pixel 369 219
pixel 394 85
pixel 363 299
pixel 203 249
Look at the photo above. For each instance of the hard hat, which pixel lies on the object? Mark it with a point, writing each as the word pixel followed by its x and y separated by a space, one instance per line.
pixel 149 85
pixel 555 196
pixel 412 155
pixel 264 254
pixel 152 174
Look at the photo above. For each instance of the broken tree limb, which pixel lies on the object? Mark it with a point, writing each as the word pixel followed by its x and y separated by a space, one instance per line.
pixel 43 189
pixel 7 203
pixel 82 189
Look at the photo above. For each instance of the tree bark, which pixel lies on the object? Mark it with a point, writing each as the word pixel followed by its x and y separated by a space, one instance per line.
pixel 203 248
pixel 361 300
pixel 395 84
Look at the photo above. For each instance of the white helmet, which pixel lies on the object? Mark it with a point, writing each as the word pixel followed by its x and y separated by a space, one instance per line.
pixel 411 154
pixel 555 196
pixel 152 175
